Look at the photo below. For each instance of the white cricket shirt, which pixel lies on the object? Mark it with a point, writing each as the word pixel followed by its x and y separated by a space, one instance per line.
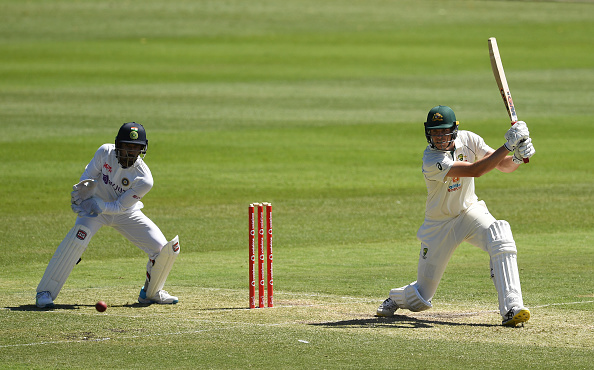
pixel 121 189
pixel 447 197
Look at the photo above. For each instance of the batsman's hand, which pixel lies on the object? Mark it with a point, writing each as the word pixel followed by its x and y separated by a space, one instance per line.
pixel 91 207
pixel 82 191
pixel 524 150
pixel 515 135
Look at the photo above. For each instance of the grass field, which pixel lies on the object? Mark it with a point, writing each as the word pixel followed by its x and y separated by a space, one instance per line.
pixel 317 107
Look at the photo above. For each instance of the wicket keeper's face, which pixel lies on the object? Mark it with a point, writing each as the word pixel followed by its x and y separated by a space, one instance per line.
pixel 128 153
pixel 442 138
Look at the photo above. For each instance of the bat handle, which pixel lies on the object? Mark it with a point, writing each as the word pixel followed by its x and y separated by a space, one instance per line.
pixel 526 160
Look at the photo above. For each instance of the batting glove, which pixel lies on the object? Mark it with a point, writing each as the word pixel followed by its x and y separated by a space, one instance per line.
pixel 516 133
pixel 524 150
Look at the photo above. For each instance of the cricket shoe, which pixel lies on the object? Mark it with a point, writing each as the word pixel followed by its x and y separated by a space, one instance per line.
pixel 516 316
pixel 44 300
pixel 162 297
pixel 387 308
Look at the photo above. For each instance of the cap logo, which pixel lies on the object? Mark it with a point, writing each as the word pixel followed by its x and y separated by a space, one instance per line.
pixel 133 133
pixel 437 117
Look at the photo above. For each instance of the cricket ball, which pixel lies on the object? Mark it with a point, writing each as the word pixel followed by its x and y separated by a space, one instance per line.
pixel 100 306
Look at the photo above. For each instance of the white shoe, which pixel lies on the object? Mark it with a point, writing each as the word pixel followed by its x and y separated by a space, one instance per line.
pixel 44 300
pixel 516 316
pixel 162 297
pixel 387 308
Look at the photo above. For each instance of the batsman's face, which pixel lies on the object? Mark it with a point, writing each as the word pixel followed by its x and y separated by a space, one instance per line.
pixel 128 153
pixel 442 138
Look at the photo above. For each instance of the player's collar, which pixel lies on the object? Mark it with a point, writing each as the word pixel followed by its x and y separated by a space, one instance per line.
pixel 457 142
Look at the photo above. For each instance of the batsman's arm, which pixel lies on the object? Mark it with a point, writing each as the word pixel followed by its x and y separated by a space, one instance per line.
pixel 480 167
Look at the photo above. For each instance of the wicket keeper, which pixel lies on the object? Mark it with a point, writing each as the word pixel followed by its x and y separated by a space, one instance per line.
pixel 109 194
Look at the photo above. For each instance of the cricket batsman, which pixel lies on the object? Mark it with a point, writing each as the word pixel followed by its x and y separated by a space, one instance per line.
pixel 109 194
pixel 454 214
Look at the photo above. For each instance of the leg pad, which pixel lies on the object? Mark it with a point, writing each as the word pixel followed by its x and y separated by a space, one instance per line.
pixel 409 297
pixel 159 268
pixel 504 266
pixel 66 256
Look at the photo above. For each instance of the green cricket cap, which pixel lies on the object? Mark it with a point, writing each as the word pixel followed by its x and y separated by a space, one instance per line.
pixel 440 117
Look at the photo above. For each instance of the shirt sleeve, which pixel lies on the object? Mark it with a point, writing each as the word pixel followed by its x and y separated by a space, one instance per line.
pixel 93 169
pixel 480 147
pixel 130 197
pixel 436 165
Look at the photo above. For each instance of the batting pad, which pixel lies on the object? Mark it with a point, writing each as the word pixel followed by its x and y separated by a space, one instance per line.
pixel 64 259
pixel 409 297
pixel 504 266
pixel 161 266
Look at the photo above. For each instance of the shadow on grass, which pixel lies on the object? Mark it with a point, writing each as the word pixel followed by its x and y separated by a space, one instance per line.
pixel 396 321
pixel 32 307
pixel 224 309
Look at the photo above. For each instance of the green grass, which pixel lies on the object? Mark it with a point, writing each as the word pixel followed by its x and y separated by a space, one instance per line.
pixel 318 108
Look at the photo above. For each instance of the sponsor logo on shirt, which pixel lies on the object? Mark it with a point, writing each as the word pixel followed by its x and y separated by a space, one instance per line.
pixel 455 186
pixel 117 188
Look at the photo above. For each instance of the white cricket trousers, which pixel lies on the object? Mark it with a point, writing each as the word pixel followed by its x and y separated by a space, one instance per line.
pixel 439 240
pixel 135 226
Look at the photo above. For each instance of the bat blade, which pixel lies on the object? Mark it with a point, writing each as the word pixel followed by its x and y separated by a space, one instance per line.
pixel 499 73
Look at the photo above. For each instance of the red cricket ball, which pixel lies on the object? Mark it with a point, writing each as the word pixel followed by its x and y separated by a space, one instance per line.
pixel 100 306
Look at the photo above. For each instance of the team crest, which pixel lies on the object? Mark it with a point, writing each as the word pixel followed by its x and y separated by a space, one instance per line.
pixel 134 133
pixel 424 252
pixel 437 117
pixel 460 157
pixel 125 182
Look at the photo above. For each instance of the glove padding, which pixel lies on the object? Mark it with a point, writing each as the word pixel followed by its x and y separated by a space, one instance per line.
pixel 515 135
pixel 91 207
pixel 524 150
pixel 83 191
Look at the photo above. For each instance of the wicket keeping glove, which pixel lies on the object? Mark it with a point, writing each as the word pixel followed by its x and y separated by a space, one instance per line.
pixel 91 207
pixel 82 191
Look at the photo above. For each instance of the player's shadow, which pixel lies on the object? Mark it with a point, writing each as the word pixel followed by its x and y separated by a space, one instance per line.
pixel 396 321
pixel 32 307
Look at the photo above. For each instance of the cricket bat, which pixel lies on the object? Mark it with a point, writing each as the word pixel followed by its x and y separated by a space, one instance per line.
pixel 499 73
